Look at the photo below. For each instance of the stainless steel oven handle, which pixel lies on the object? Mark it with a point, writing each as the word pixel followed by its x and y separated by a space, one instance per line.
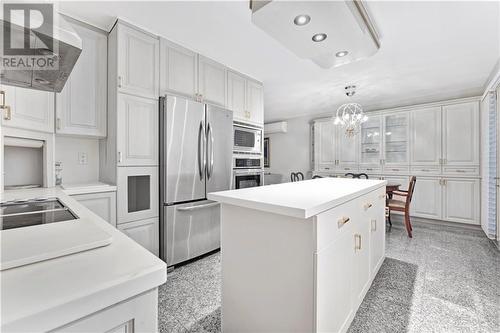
pixel 189 209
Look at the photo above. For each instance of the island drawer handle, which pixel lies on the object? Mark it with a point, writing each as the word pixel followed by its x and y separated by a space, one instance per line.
pixel 368 205
pixel 357 242
pixel 343 221
pixel 374 225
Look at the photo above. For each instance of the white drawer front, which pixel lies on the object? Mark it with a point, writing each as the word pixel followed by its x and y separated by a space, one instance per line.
pixel 400 170
pixel 425 170
pixel 461 171
pixel 371 170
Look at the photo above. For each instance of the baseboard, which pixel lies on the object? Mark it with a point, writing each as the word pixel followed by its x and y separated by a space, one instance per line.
pixel 399 218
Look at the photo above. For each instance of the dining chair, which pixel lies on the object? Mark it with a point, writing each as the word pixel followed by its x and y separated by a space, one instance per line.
pixel 403 205
pixel 356 175
pixel 296 176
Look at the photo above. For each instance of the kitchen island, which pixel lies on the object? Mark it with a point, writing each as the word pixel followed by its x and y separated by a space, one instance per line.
pixel 111 288
pixel 299 257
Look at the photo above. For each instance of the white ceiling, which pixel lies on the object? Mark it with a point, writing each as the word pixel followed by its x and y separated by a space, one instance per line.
pixel 430 51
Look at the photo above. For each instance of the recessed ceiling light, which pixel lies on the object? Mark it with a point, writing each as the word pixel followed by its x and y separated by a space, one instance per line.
pixel 319 37
pixel 302 19
pixel 341 54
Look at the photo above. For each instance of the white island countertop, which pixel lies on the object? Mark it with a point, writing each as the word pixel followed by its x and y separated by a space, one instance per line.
pixel 301 199
pixel 45 295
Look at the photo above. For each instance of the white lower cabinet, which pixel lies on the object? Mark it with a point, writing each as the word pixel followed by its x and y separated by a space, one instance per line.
pixel 103 204
pixel 361 260
pixel 358 246
pixel 333 295
pixel 27 109
pixel 449 199
pixel 143 232
pixel 427 198
pixel 137 314
pixel 461 200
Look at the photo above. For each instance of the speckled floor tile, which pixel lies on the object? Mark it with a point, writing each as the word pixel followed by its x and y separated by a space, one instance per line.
pixel 444 279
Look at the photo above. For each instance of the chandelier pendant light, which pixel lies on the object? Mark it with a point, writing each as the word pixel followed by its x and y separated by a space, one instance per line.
pixel 350 116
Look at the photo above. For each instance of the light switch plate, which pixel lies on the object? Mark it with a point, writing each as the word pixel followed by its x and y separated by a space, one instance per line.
pixel 82 158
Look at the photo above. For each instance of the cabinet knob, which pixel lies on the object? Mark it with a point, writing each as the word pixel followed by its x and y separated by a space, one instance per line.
pixel 343 221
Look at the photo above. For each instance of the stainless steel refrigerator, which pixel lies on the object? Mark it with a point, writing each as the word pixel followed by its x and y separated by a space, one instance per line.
pixel 196 143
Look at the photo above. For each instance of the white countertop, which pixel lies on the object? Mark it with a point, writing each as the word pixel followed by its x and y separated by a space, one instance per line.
pixel 301 199
pixel 44 295
pixel 86 188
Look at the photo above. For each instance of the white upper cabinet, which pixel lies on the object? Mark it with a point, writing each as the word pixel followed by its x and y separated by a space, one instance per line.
pixel 28 109
pixel 255 101
pixel 461 134
pixel 396 143
pixel 212 80
pixel 245 97
pixel 138 62
pixel 371 141
pixel 425 139
pixel 324 145
pixel 137 131
pixel 81 106
pixel 178 69
pixel 236 94
pixel 347 149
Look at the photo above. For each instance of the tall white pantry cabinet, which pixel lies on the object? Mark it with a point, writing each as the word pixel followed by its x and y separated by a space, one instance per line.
pixel 438 143
pixel 129 156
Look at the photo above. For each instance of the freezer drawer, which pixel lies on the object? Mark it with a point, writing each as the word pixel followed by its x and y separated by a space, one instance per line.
pixel 190 230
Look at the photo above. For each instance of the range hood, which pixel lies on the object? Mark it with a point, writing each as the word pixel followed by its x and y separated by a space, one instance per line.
pixel 65 50
pixel 330 33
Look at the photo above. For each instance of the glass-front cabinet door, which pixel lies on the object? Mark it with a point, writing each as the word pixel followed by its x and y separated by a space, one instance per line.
pixel 371 141
pixel 395 139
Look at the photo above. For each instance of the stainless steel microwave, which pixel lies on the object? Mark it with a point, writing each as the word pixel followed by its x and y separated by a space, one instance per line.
pixel 247 139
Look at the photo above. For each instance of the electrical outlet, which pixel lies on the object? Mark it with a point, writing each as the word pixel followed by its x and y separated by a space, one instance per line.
pixel 82 158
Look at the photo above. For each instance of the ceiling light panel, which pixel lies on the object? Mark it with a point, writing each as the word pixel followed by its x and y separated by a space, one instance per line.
pixel 349 33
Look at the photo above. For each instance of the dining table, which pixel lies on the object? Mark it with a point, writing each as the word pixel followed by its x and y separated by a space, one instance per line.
pixel 391 187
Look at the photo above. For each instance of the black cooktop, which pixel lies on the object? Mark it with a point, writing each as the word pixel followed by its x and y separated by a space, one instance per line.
pixel 24 213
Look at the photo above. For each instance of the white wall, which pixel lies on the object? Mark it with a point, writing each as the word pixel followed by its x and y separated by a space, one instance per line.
pixel 290 152
pixel 67 149
pixel 484 161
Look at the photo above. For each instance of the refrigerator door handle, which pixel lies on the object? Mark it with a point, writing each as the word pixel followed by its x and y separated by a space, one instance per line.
pixel 210 139
pixel 201 145
pixel 189 209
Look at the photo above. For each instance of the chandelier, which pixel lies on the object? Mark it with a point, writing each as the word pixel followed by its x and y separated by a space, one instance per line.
pixel 350 116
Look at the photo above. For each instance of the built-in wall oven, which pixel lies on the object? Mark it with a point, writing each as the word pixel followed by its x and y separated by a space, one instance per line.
pixel 247 171
pixel 244 178
pixel 247 138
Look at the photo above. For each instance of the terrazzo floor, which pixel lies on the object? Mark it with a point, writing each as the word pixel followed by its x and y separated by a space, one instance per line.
pixel 445 279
